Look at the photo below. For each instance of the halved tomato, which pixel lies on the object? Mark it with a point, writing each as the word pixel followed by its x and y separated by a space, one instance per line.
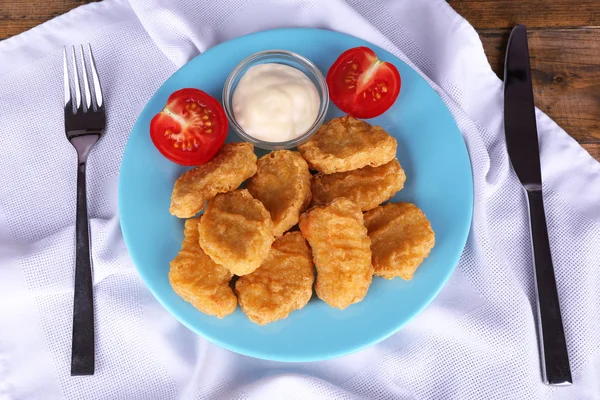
pixel 190 129
pixel 361 85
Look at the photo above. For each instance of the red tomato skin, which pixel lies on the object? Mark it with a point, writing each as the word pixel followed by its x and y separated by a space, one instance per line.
pixel 207 139
pixel 361 85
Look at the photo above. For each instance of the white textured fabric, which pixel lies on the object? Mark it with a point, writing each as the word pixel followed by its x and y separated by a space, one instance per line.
pixel 477 339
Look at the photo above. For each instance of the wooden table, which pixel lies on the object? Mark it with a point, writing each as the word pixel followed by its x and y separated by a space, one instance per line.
pixel 564 46
pixel 564 40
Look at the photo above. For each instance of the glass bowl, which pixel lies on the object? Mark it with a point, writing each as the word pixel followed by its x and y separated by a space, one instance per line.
pixel 280 57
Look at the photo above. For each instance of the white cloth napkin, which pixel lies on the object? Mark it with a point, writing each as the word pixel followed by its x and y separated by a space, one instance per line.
pixel 477 339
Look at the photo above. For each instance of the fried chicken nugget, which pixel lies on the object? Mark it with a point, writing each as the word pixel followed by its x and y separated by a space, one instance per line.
pixel 282 284
pixel 236 231
pixel 232 165
pixel 198 280
pixel 341 251
pixel 368 186
pixel 346 143
pixel 401 238
pixel 282 184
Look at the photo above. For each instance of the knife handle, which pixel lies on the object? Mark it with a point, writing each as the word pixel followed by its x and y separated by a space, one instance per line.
pixel 551 336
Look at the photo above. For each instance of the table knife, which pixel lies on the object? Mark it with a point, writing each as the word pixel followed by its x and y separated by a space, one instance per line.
pixel 523 151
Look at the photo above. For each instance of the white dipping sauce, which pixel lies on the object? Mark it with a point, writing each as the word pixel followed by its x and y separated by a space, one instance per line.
pixel 275 102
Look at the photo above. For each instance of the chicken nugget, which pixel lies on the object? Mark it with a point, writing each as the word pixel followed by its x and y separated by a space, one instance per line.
pixel 236 231
pixel 401 238
pixel 232 165
pixel 199 280
pixel 282 184
pixel 368 186
pixel 346 143
pixel 341 251
pixel 282 284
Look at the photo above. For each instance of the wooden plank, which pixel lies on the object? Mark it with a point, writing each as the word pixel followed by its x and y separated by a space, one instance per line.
pixel 565 66
pixel 533 13
pixel 10 28
pixel 10 9
pixel 593 149
pixel 18 16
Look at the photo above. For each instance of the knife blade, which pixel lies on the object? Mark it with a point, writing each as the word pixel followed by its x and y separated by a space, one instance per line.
pixel 523 150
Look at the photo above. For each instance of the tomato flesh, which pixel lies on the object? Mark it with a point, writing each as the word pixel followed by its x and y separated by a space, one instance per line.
pixel 190 129
pixel 361 85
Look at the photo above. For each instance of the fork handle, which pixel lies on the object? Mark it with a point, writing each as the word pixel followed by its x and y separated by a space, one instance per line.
pixel 82 356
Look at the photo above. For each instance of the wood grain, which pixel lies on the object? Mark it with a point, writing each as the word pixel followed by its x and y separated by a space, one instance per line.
pixel 593 149
pixel 564 45
pixel 533 13
pixel 565 67
pixel 37 9
pixel 18 16
pixel 10 28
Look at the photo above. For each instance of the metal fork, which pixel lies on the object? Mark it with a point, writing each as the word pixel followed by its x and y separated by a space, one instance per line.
pixel 84 127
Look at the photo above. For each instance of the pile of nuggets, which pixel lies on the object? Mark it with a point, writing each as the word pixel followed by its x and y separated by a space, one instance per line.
pixel 251 233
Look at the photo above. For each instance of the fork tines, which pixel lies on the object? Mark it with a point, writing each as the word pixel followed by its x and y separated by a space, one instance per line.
pixel 76 78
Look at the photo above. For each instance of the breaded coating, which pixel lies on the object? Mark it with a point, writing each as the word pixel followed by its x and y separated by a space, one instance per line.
pixel 236 231
pixel 198 280
pixel 282 284
pixel 282 184
pixel 341 251
pixel 346 143
pixel 368 186
pixel 401 238
pixel 232 165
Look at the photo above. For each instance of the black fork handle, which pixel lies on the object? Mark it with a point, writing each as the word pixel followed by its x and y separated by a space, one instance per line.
pixel 82 356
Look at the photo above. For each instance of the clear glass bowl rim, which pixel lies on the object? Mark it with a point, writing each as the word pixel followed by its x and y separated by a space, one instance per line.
pixel 265 55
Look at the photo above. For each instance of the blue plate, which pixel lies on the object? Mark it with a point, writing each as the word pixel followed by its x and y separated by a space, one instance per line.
pixel 439 181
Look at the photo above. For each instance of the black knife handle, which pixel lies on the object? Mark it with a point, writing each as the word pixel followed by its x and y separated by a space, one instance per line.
pixel 554 356
pixel 82 348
